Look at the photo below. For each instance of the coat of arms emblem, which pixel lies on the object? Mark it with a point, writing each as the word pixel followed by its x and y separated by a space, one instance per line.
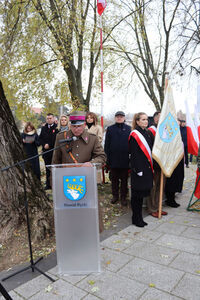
pixel 74 187
pixel 168 129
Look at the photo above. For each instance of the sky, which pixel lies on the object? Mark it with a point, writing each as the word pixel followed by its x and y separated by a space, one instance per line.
pixel 137 101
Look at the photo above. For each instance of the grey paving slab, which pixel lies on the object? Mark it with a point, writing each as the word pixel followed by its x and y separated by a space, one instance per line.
pixel 173 228
pixel 113 260
pixel 60 290
pixel 110 286
pixel 192 232
pixel 188 288
pixel 130 231
pixel 70 278
pixel 187 221
pixel 187 262
pixel 118 242
pixel 152 252
pixel 154 294
pixel 32 287
pixel 91 297
pixel 13 295
pixel 159 221
pixel 147 272
pixel 179 243
pixel 182 211
pixel 148 236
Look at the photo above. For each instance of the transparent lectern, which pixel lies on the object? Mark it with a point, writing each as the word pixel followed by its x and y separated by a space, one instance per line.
pixel 76 218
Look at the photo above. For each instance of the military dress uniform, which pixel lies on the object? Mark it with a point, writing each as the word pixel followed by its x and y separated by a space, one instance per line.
pixel 86 148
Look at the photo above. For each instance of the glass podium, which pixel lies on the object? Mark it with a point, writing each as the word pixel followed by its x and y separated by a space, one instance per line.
pixel 76 218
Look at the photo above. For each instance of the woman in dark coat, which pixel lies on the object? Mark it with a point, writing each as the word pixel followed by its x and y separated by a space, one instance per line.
pixel 31 142
pixel 140 145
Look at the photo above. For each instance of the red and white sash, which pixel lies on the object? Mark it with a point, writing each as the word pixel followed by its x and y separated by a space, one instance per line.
pixel 153 129
pixel 143 145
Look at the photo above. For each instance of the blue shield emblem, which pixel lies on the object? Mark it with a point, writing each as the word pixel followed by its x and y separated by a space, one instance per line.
pixel 74 187
pixel 168 129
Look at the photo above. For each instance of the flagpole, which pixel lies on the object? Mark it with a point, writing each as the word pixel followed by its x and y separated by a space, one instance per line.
pixel 161 174
pixel 161 195
pixel 101 50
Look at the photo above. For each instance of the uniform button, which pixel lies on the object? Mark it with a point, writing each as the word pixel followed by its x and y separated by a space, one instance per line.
pixel 77 154
pixel 77 146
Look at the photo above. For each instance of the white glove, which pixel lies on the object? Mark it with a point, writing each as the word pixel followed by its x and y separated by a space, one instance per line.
pixel 140 174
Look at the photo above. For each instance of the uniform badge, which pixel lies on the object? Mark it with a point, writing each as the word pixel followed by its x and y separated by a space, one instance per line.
pixel 74 187
pixel 168 129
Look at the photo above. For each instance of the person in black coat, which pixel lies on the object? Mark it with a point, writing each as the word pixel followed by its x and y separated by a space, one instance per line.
pixel 30 143
pixel 140 145
pixel 47 140
pixel 116 149
pixel 183 131
pixel 174 184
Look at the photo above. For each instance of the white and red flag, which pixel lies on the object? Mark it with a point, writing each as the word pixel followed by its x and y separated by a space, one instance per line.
pixel 101 5
pixel 196 120
pixel 192 135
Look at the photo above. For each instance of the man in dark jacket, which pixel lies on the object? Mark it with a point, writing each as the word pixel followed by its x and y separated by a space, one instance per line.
pixel 47 140
pixel 116 149
pixel 183 131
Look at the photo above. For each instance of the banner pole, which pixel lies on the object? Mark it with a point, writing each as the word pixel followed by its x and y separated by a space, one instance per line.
pixel 101 50
pixel 160 196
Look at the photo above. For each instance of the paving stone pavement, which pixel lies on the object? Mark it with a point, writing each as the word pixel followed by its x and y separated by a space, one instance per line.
pixel 158 262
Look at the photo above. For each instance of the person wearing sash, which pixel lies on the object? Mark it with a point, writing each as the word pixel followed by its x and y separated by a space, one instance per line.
pixel 153 199
pixel 140 146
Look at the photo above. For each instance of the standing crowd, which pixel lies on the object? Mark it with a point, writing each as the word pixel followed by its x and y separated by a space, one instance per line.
pixel 126 151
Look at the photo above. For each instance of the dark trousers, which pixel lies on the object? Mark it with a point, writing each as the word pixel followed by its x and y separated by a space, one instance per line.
pixel 170 196
pixel 136 205
pixel 47 160
pixel 186 155
pixel 119 175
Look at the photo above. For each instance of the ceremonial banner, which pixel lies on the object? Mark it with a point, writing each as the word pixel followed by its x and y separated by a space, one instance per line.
pixel 196 121
pixel 101 5
pixel 168 146
pixel 192 135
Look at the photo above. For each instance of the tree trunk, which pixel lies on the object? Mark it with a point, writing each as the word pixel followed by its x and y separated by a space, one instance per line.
pixel 12 210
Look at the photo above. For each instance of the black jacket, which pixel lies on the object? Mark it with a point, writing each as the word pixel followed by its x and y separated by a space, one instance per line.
pixel 183 131
pixel 175 182
pixel 140 163
pixel 30 147
pixel 48 136
pixel 116 145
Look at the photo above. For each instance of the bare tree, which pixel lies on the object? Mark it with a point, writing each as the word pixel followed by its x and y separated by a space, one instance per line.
pixel 147 50
pixel 189 57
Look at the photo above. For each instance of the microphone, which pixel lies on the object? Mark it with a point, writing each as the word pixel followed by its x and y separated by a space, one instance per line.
pixel 74 138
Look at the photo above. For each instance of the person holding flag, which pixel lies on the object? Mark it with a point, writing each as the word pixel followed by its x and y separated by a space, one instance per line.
pixel 168 148
pixel 153 199
pixel 140 145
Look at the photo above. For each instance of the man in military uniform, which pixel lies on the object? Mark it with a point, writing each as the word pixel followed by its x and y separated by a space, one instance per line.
pixel 85 148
